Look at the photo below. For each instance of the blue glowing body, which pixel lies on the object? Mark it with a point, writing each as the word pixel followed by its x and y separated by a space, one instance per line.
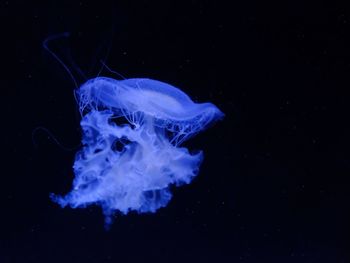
pixel 129 166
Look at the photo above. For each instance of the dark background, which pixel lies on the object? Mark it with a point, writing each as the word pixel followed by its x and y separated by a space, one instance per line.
pixel 274 184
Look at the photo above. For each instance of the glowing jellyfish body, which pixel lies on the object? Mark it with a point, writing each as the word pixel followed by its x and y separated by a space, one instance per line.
pixel 129 166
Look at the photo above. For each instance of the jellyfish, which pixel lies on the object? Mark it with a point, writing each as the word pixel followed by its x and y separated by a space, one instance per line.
pixel 132 136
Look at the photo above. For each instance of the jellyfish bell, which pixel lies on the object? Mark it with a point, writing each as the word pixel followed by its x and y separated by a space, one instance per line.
pixel 141 98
